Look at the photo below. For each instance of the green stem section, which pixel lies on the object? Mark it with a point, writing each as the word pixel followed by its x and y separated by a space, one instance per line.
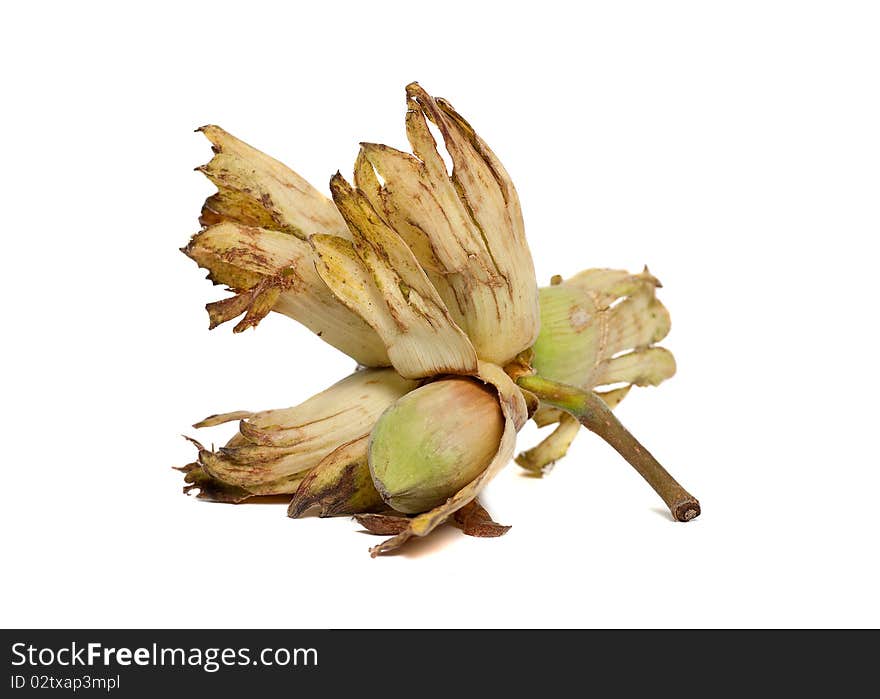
pixel 592 413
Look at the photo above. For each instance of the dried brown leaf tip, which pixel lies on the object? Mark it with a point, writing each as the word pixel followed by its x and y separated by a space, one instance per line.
pixel 475 521
pixel 423 276
pixel 383 524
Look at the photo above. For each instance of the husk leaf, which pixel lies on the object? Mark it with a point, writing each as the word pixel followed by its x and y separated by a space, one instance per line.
pixel 340 484
pixel 466 229
pixel 254 242
pixel 377 276
pixel 275 449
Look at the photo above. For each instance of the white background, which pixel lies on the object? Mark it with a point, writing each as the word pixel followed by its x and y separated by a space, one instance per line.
pixel 734 147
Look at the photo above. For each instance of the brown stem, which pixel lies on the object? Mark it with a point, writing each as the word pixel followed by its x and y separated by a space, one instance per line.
pixel 592 413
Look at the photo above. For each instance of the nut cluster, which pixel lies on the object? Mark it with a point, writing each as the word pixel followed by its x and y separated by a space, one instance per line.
pixel 424 277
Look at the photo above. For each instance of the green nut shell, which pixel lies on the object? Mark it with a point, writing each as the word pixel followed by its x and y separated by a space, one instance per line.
pixel 433 441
